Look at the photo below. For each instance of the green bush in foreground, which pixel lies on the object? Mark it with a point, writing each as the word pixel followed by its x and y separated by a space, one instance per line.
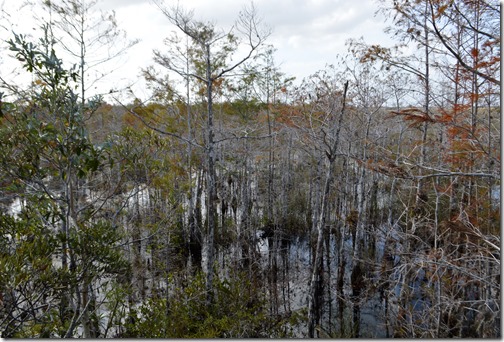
pixel 238 311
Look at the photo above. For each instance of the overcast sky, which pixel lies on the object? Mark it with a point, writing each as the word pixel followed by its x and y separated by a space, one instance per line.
pixel 308 34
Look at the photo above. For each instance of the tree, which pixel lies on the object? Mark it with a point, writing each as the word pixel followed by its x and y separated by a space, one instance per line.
pixel 211 61
pixel 326 117
pixel 91 39
pixel 266 83
pixel 49 160
pixel 459 54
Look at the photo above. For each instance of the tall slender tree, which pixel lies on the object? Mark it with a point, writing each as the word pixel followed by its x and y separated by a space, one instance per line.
pixel 91 38
pixel 213 49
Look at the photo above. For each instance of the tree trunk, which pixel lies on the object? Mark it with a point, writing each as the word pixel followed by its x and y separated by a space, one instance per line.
pixel 211 182
pixel 316 283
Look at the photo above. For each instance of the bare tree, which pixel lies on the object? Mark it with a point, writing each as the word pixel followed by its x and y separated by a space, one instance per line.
pixel 331 150
pixel 212 61
pixel 91 38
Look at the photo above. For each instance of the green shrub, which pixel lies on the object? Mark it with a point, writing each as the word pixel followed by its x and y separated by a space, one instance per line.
pixel 238 311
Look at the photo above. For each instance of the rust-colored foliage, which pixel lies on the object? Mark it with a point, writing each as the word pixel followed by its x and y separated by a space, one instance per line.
pixel 415 115
pixel 456 232
pixel 385 167
pixel 373 53
pixel 287 114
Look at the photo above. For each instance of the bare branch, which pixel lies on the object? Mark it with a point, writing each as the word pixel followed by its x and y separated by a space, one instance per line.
pixel 456 55
pixel 154 128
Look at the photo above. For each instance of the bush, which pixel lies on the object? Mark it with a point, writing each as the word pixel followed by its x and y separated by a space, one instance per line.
pixel 237 311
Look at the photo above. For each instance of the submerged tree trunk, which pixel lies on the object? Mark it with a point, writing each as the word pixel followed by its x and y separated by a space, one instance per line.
pixel 316 283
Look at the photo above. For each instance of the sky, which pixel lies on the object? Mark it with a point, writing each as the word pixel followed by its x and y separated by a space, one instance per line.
pixel 307 34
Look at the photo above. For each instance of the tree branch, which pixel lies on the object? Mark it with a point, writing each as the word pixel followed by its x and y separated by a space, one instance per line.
pixel 139 117
pixel 456 55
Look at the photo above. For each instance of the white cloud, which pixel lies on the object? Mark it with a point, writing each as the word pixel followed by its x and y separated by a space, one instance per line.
pixel 308 34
